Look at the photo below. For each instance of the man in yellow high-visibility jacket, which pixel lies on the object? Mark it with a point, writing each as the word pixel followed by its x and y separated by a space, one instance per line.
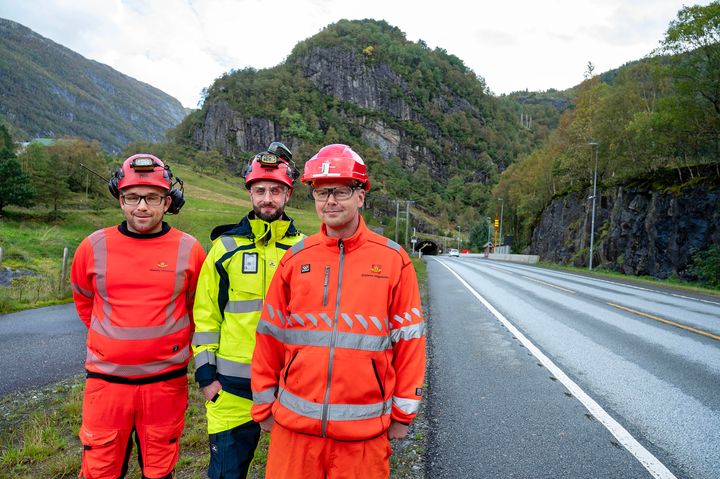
pixel 230 293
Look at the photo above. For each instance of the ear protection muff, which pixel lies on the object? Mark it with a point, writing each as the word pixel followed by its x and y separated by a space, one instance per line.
pixel 177 195
pixel 177 189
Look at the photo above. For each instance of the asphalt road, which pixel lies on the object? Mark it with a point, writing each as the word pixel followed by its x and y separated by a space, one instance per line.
pixel 40 346
pixel 543 374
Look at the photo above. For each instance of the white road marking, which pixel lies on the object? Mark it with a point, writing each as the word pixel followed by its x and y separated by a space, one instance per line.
pixel 656 468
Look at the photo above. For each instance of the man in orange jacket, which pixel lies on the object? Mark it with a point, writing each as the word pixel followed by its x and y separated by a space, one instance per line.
pixel 339 361
pixel 134 286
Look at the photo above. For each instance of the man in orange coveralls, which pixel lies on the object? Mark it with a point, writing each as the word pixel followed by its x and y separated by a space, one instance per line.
pixel 134 286
pixel 339 361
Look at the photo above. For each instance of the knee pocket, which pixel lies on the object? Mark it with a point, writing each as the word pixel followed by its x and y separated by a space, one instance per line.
pixel 103 455
pixel 161 448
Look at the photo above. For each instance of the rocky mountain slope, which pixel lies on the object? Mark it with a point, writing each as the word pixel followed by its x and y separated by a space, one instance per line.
pixel 640 229
pixel 47 90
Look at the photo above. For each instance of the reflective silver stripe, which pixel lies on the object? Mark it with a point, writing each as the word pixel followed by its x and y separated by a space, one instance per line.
pixel 205 357
pixel 376 322
pixel 348 320
pixel 228 242
pixel 398 319
pixel 335 412
pixel 212 337
pixel 312 319
pixel 233 368
pixel 393 245
pixel 265 397
pixel 408 406
pixel 84 292
pixel 271 311
pixel 417 312
pixel 137 369
pixel 182 262
pixel 298 246
pixel 107 329
pixel 362 321
pixel 299 319
pixel 97 239
pixel 246 306
pixel 307 337
pixel 413 331
pixel 327 319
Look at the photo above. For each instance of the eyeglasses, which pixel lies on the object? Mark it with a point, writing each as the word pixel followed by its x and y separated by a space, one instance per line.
pixel 275 191
pixel 339 193
pixel 152 199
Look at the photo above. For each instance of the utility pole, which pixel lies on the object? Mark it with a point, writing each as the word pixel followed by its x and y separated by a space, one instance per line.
pixel 502 207
pixel 407 220
pixel 397 218
pixel 594 145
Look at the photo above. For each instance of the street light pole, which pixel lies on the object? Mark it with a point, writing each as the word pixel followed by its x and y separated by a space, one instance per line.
pixel 502 208
pixel 594 145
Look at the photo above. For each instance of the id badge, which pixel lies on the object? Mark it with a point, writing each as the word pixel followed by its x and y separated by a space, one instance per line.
pixel 250 263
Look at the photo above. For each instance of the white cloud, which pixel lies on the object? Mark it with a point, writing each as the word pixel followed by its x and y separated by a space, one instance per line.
pixel 181 46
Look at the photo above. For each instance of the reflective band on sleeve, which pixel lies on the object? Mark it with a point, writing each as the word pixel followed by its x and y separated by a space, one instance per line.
pixel 247 306
pixel 233 368
pixel 137 369
pixel 212 337
pixel 414 331
pixel 304 337
pixel 417 312
pixel 336 412
pixel 77 289
pixel 265 397
pixel 408 406
pixel 204 357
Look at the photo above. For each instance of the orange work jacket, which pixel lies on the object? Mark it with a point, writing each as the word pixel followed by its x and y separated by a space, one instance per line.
pixel 135 294
pixel 341 341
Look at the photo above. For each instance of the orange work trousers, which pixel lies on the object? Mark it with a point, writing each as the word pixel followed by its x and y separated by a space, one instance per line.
pixel 300 456
pixel 112 411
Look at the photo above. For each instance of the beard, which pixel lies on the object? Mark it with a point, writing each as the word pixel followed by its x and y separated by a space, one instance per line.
pixel 269 216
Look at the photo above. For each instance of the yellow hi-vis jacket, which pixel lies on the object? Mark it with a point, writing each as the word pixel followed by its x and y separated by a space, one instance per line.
pixel 228 301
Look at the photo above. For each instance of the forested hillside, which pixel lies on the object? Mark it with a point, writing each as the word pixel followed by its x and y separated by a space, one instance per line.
pixel 425 123
pixel 47 90
pixel 656 114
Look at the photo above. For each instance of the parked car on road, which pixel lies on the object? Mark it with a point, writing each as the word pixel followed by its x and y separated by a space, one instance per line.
pixel 454 252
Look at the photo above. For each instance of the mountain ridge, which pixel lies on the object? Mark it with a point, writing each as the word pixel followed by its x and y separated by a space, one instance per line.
pixel 48 90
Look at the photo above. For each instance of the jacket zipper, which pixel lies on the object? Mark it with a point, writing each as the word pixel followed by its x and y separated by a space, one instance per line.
pixel 325 285
pixel 377 376
pixel 287 369
pixel 333 339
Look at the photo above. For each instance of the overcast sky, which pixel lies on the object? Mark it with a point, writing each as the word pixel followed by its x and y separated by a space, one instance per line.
pixel 181 46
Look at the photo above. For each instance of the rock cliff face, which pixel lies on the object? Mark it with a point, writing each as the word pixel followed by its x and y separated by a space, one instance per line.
pixel 638 231
pixel 374 101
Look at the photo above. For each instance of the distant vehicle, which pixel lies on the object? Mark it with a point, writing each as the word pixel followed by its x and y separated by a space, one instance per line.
pixel 454 252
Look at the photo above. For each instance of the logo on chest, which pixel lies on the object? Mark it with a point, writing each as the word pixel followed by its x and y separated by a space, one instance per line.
pixel 162 267
pixel 375 271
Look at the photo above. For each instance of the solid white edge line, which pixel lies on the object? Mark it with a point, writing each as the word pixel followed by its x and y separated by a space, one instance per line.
pixel 650 462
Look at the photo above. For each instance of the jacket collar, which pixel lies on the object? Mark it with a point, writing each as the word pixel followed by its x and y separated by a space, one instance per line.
pixel 352 243
pixel 256 229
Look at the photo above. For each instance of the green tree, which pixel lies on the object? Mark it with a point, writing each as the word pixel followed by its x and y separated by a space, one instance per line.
pixel 15 186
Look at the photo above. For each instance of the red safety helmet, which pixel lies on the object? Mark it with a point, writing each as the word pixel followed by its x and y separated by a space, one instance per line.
pixel 336 162
pixel 143 169
pixel 275 164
